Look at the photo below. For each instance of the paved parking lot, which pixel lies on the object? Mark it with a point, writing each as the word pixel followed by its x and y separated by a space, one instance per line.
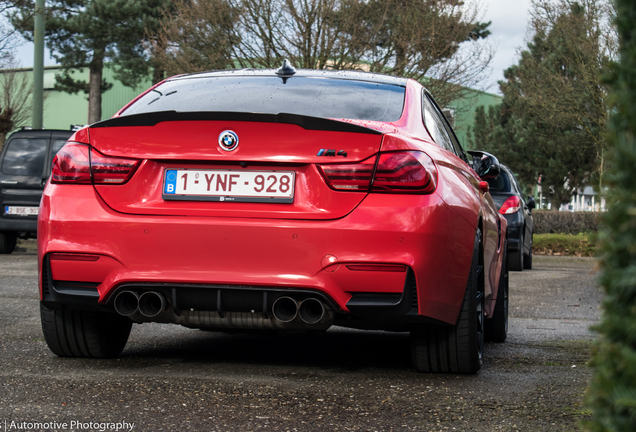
pixel 171 378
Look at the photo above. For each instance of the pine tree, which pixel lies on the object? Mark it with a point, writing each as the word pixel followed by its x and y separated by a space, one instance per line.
pixel 612 392
pixel 88 33
pixel 551 122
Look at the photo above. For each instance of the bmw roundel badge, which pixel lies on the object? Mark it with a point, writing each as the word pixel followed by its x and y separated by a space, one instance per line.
pixel 228 140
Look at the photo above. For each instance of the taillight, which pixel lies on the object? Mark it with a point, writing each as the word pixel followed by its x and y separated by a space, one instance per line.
pixel 72 165
pixel 111 170
pixel 406 172
pixel 349 177
pixel 511 205
pixel 398 172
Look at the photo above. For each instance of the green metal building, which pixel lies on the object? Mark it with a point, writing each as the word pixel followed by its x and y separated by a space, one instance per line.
pixel 63 110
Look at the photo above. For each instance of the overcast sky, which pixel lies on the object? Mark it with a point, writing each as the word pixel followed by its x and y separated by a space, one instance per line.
pixel 509 23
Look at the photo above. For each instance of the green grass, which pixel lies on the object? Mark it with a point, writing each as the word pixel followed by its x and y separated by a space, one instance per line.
pixel 565 244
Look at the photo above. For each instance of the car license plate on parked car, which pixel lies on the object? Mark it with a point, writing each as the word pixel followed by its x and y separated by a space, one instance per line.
pixel 229 185
pixel 21 211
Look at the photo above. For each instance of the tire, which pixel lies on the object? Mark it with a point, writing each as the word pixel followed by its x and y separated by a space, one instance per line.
pixel 456 349
pixel 515 258
pixel 76 333
pixel 7 242
pixel 527 260
pixel 497 326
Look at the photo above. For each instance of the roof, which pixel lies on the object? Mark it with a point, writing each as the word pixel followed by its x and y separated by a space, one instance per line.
pixel 305 73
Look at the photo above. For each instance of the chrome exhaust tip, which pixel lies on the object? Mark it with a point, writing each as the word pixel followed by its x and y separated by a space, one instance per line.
pixel 285 309
pixel 126 303
pixel 151 304
pixel 311 311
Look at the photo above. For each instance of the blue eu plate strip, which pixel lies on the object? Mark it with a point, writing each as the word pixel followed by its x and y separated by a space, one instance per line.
pixel 170 185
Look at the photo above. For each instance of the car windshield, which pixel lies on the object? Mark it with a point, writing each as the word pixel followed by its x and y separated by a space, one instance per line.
pixel 501 183
pixel 310 96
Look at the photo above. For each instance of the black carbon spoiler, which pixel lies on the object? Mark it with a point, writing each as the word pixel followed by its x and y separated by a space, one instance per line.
pixel 306 122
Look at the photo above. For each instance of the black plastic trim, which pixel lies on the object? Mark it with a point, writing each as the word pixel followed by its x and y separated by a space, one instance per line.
pixel 62 294
pixel 306 122
pixel 223 298
pixel 384 304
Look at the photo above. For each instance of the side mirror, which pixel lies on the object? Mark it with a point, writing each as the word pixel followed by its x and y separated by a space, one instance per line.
pixel 485 165
pixel 531 203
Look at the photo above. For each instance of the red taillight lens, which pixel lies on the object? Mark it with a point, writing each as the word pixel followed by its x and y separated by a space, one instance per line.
pixel 405 172
pixel 112 170
pixel 72 165
pixel 511 205
pixel 349 177
pixel 399 172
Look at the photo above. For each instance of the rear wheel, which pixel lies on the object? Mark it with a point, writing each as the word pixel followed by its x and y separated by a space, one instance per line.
pixel 7 242
pixel 456 349
pixel 497 326
pixel 515 258
pixel 76 333
pixel 527 260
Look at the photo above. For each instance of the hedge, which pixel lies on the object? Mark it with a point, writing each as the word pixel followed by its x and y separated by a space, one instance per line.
pixel 564 222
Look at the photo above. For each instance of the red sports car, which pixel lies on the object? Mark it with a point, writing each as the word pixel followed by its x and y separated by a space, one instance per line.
pixel 281 200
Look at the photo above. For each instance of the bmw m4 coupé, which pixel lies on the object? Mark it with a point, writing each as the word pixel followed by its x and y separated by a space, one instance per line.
pixel 282 200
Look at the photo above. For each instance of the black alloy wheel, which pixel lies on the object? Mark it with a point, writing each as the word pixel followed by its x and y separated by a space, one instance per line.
pixel 458 348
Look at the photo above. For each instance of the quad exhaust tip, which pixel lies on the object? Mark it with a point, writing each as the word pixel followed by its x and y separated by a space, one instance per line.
pixel 152 304
pixel 126 303
pixel 285 309
pixel 311 311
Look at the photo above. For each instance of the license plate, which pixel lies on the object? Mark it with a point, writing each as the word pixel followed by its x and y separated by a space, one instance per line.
pixel 21 211
pixel 229 185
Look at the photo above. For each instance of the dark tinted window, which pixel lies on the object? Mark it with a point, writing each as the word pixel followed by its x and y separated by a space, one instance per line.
pixel 317 97
pixel 25 157
pixel 501 183
pixel 435 125
pixel 56 146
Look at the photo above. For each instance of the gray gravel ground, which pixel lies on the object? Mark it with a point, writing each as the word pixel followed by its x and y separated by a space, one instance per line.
pixel 172 379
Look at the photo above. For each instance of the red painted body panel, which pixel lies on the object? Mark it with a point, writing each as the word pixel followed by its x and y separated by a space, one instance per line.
pixel 313 198
pixel 142 238
pixel 393 229
pixel 198 141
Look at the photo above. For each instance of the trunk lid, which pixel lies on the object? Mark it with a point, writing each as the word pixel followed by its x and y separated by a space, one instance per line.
pixel 285 144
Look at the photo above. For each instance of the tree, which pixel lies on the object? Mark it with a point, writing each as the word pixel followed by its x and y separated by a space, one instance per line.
pixel 88 33
pixel 439 39
pixel 552 120
pixel 612 391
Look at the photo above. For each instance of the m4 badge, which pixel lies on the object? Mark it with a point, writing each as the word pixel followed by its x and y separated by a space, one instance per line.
pixel 330 152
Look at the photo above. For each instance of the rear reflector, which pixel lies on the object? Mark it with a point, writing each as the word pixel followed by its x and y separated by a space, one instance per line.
pixel 72 165
pixel 73 257
pixel 511 205
pixel 394 268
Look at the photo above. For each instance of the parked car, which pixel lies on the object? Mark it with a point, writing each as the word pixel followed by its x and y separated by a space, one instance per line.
pixel 506 192
pixel 25 164
pixel 277 200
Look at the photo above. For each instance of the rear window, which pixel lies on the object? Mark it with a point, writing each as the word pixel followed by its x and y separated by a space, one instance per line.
pixel 25 157
pixel 316 97
pixel 501 183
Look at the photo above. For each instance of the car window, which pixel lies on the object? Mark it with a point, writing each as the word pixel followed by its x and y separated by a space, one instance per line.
pixel 316 97
pixel 501 183
pixel 25 157
pixel 56 146
pixel 435 125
